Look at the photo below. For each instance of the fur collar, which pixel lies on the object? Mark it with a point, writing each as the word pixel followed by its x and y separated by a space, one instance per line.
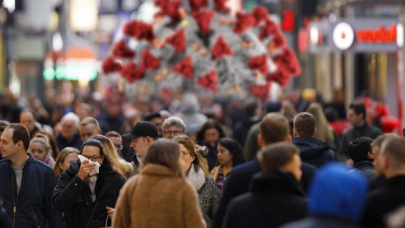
pixel 197 179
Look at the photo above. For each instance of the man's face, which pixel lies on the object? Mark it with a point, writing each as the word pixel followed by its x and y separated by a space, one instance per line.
pixel 294 167
pixel 28 120
pixel 378 166
pixel 68 129
pixel 117 141
pixel 353 118
pixel 171 131
pixel 88 130
pixel 158 124
pixel 7 146
pixel 141 146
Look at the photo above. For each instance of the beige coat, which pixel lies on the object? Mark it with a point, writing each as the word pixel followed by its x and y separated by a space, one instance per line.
pixel 157 199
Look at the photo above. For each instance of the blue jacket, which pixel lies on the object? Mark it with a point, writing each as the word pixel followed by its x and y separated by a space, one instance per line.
pixel 33 206
pixel 314 151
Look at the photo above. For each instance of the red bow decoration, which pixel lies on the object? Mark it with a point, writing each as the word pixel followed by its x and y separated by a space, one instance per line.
pixel 260 91
pixel 185 67
pixel 149 60
pixel 389 124
pixel 109 65
pixel 220 6
pixel 221 48
pixel 243 22
pixel 260 14
pixel 259 63
pixel 161 3
pixel 287 61
pixel 209 81
pixel 197 4
pixel 122 50
pixel 169 8
pixel 381 110
pixel 133 73
pixel 139 30
pixel 280 76
pixel 268 29
pixel 203 20
pixel 177 40
pixel 278 39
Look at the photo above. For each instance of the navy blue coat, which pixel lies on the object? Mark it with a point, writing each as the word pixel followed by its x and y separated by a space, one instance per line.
pixel 33 206
pixel 238 182
pixel 314 151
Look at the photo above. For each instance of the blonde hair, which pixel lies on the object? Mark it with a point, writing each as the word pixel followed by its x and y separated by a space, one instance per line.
pixel 118 164
pixel 199 161
pixel 167 153
pixel 323 131
pixel 61 159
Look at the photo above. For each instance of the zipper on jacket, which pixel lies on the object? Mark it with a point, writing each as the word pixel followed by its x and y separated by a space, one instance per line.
pixel 35 217
pixel 14 199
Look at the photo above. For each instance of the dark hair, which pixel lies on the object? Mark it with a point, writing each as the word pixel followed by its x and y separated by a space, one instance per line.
pixel 152 116
pixel 93 142
pixel 20 132
pixel 211 123
pixel 305 124
pixel 235 149
pixel 3 125
pixel 164 152
pixel 358 108
pixel 277 155
pixel 331 114
pixel 250 108
pixel 274 128
pixel 358 149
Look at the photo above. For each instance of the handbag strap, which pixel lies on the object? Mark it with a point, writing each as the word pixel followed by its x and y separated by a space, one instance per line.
pixel 92 215
pixel 106 221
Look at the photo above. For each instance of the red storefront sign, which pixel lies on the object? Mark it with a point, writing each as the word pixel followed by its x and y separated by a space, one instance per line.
pixel 379 35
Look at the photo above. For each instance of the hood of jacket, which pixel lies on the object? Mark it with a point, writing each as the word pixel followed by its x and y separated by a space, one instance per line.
pixel 310 147
pixel 337 192
pixel 275 181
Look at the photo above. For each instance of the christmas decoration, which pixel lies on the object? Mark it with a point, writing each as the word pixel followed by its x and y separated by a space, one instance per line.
pixel 202 49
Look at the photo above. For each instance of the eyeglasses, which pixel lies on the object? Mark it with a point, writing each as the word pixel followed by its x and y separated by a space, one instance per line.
pixel 171 132
pixel 93 159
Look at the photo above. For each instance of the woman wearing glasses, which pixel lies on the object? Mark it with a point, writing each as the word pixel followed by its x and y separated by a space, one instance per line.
pixel 84 194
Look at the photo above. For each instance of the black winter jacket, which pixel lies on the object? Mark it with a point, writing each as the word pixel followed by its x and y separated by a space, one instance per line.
pixel 314 151
pixel 32 207
pixel 320 222
pixel 73 196
pixel 275 198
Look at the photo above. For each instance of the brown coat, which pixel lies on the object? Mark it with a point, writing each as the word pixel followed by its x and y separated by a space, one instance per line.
pixel 157 198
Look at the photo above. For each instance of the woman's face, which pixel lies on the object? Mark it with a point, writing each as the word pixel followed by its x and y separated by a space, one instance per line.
pixel 38 151
pixel 186 157
pixel 68 160
pixel 224 156
pixel 211 136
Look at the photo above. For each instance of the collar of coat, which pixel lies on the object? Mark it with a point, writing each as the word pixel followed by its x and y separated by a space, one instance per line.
pixel 197 179
pixel 157 170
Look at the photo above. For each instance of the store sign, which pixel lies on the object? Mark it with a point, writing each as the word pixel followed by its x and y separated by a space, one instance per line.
pixel 366 35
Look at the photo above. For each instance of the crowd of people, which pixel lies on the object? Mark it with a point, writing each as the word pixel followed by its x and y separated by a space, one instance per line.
pixel 248 164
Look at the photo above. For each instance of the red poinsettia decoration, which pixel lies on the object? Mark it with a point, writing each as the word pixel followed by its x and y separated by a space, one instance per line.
pixel 278 39
pixel 203 20
pixel 177 40
pixel 243 22
pixel 197 4
pixel 259 63
pixel 221 48
pixel 169 8
pixel 209 81
pixel 139 30
pixel 122 50
pixel 282 77
pixel 269 28
pixel 260 91
pixel 110 65
pixel 185 67
pixel 149 60
pixel 132 72
pixel 220 6
pixel 260 14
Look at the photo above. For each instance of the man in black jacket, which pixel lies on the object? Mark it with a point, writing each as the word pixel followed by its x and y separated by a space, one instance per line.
pixel 312 150
pixel 356 115
pixel 391 196
pixel 275 197
pixel 273 128
pixel 361 154
pixel 26 183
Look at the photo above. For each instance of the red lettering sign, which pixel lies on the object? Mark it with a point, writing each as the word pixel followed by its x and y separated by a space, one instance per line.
pixel 380 35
